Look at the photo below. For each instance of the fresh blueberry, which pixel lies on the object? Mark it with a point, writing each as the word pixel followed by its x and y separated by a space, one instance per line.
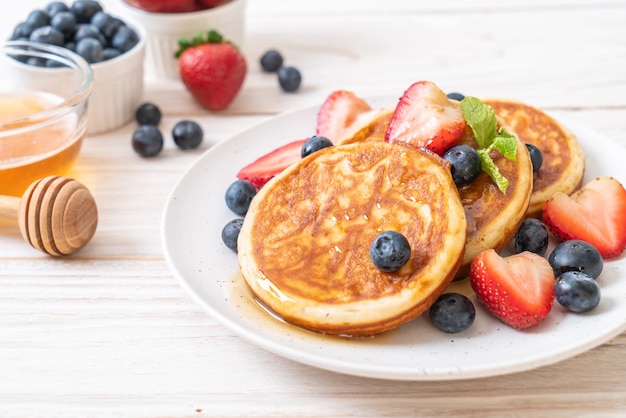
pixel 90 49
pixel 148 114
pixel 576 255
pixel 239 195
pixel 289 78
pixel 125 39
pixel 71 46
pixel 187 134
pixel 147 140
pixel 455 96
pixel 536 157
pixel 110 53
pixel 230 233
pixel 56 7
pixel 38 18
pixel 389 251
pixel 64 22
pixel 315 143
pixel 465 164
pixel 106 24
pixel 452 312
pixel 577 291
pixel 22 31
pixel 48 35
pixel 87 30
pixel 37 62
pixel 271 61
pixel 532 236
pixel 85 9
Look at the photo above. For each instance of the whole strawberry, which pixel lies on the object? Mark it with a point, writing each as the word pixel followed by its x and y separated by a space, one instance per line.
pixel 212 69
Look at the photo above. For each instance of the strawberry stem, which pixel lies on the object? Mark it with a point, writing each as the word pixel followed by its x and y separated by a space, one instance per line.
pixel 210 37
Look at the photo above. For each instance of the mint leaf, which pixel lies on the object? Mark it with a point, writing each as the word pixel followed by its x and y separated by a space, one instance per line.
pixel 506 144
pixel 481 119
pixel 491 169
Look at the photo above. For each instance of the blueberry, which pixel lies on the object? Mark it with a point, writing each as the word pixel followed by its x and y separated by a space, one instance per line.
pixel 452 312
pixel 64 22
pixel 37 62
pixel 465 164
pixel 239 195
pixel 38 18
pixel 90 49
pixel 48 35
pixel 110 53
pixel 532 236
pixel 271 61
pixel 56 7
pixel 230 233
pixel 22 31
pixel 576 255
pixel 86 30
pixel 455 96
pixel 125 39
pixel 536 157
pixel 147 140
pixel 85 9
pixel 577 291
pixel 289 78
pixel 389 251
pixel 187 134
pixel 106 24
pixel 315 143
pixel 148 114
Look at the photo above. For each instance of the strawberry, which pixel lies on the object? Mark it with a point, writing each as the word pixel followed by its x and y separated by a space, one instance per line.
pixel 338 112
pixel 519 289
pixel 208 4
pixel 596 213
pixel 269 165
pixel 164 6
pixel 212 69
pixel 426 118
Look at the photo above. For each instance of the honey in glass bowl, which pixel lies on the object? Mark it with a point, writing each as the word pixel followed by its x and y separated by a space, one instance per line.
pixel 43 113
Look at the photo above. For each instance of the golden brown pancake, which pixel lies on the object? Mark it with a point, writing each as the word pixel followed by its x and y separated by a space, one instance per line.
pixel 493 217
pixel 304 245
pixel 563 160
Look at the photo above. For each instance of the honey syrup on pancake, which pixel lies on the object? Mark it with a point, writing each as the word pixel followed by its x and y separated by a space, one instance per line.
pixel 323 241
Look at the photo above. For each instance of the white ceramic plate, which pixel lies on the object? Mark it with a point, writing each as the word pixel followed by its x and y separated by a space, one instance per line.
pixel 191 232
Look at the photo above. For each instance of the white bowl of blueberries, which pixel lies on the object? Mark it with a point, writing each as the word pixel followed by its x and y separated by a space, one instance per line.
pixel 114 48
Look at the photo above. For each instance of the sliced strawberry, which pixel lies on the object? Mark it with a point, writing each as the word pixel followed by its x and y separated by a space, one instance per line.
pixel 426 118
pixel 269 165
pixel 519 289
pixel 596 213
pixel 338 112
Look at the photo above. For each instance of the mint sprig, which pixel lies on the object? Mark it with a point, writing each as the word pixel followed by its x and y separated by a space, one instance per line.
pixel 482 119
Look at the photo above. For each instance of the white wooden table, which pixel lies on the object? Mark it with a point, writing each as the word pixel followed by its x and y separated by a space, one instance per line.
pixel 109 332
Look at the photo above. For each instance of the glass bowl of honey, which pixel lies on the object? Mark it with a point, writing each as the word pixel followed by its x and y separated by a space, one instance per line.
pixel 44 91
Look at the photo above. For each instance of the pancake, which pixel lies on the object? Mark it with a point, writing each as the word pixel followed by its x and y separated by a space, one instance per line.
pixel 492 217
pixel 563 160
pixel 373 128
pixel 304 245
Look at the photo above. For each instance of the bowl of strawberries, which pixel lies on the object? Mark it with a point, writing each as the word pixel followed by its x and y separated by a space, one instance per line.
pixel 168 21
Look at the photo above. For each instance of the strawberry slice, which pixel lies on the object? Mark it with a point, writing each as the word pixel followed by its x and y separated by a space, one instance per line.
pixel 338 112
pixel 426 118
pixel 519 289
pixel 269 165
pixel 596 213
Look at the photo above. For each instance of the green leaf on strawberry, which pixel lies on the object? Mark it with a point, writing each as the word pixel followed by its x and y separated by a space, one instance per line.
pixel 482 119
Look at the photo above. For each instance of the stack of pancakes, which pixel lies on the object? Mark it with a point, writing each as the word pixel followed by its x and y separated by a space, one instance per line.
pixel 304 245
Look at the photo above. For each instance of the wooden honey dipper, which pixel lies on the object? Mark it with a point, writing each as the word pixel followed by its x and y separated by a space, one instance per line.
pixel 56 215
